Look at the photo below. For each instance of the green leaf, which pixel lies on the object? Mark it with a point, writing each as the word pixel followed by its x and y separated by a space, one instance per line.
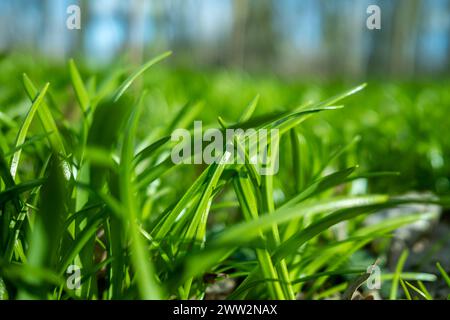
pixel 322 184
pixel 78 85
pixel 81 240
pixel 124 86
pixel 405 289
pixel 47 120
pixel 3 291
pixel 420 292
pixel 240 234
pixel 443 273
pixel 20 139
pixel 400 263
pixel 145 275
pixel 13 192
pixel 247 114
pixel 185 116
pixel 46 236
pixel 417 276
pixel 149 150
pixel 342 95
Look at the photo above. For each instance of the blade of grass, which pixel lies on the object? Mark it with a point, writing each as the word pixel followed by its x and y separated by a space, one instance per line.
pixel 405 289
pixel 249 208
pixel 400 263
pixel 164 226
pixel 268 206
pixel 248 112
pixel 82 239
pixel 149 150
pixel 443 273
pixel 20 139
pixel 11 193
pixel 145 274
pixel 238 235
pixel 422 294
pixel 342 95
pixel 45 238
pixel 47 120
pixel 424 290
pixel 127 83
pixel 413 276
pixel 253 284
pixel 185 116
pixel 78 85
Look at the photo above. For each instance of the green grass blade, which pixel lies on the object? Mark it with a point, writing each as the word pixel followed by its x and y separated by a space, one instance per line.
pixel 145 275
pixel 443 273
pixel 23 131
pixel 322 184
pixel 197 227
pixel 185 116
pixel 424 290
pixel 342 95
pixel 166 224
pixel 420 292
pixel 405 289
pixel 412 276
pixel 13 192
pixel 79 87
pixel 400 263
pixel 82 239
pixel 149 150
pixel 47 120
pixel 249 229
pixel 243 233
pixel 127 83
pixel 248 112
pixel 249 207
pixel 317 275
pixel 45 238
pixel 6 120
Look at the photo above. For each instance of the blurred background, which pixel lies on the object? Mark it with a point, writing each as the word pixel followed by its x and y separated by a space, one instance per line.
pixel 290 37
pixel 289 52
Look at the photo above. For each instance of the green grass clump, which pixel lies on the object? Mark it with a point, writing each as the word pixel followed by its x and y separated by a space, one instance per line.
pixel 91 184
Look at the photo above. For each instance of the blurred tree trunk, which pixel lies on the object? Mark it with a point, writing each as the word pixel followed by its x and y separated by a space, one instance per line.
pixel 448 37
pixel 404 38
pixel 344 24
pixel 353 56
pixel 176 22
pixel 260 35
pixel 161 21
pixel 240 12
pixel 378 60
pixel 331 37
pixel 53 43
pixel 77 43
pixel 136 30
